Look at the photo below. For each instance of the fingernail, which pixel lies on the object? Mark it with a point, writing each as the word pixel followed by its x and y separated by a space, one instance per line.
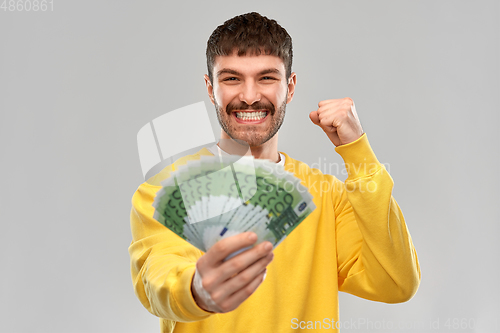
pixel 252 237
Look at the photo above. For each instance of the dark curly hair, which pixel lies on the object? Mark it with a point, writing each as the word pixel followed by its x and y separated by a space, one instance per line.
pixel 250 33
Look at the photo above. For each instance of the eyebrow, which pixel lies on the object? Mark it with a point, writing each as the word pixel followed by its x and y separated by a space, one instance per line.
pixel 231 71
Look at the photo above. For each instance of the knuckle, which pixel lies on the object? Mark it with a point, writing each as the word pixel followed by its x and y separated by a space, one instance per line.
pixel 200 263
pixel 207 283
pixel 249 290
pixel 220 247
pixel 216 297
pixel 225 307
pixel 237 265
pixel 245 278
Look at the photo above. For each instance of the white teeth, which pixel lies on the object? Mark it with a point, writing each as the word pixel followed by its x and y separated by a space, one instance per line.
pixel 251 115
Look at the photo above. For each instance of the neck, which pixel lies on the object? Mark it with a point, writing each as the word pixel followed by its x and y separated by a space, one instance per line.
pixel 268 150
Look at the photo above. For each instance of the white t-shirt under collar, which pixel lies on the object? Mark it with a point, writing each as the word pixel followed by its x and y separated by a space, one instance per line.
pixel 215 149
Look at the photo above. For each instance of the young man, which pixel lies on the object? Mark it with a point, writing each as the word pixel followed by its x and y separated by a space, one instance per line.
pixel 355 240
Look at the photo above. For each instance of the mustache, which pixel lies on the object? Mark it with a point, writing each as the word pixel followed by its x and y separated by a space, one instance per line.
pixel 256 106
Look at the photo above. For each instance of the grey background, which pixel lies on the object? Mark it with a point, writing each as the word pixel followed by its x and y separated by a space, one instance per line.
pixel 78 82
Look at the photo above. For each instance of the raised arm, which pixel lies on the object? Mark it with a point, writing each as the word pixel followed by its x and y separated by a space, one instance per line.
pixel 376 256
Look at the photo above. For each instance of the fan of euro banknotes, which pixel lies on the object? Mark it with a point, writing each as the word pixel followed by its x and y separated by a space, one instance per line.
pixel 215 197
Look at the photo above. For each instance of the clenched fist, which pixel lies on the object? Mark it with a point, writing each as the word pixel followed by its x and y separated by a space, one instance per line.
pixel 338 118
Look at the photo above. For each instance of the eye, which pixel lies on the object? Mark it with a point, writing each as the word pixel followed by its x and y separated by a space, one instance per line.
pixel 268 78
pixel 230 79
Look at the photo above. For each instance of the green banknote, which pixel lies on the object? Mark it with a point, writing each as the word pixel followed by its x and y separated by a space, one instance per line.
pixel 216 197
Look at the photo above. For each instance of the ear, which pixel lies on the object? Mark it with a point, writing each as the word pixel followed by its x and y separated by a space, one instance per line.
pixel 210 88
pixel 292 81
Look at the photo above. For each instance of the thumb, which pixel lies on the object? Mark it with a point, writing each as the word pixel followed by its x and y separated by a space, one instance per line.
pixel 314 117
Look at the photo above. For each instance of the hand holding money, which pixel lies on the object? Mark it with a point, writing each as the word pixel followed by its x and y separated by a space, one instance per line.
pixel 224 206
pixel 221 285
pixel 338 119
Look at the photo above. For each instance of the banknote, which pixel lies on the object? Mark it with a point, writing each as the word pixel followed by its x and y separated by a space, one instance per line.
pixel 215 197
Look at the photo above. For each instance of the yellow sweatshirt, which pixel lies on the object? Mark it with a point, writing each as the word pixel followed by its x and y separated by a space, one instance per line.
pixel 355 241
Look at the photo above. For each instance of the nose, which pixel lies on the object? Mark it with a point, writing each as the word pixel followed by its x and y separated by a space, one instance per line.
pixel 250 93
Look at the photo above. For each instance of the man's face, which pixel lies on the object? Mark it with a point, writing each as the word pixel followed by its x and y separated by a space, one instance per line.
pixel 250 94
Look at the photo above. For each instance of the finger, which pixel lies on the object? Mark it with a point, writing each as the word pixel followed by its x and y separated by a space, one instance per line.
pixel 244 260
pixel 226 246
pixel 342 102
pixel 240 280
pixel 348 101
pixel 327 101
pixel 233 301
pixel 216 273
pixel 314 117
pixel 327 121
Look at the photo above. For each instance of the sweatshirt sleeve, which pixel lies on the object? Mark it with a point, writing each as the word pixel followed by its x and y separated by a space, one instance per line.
pixel 162 263
pixel 375 254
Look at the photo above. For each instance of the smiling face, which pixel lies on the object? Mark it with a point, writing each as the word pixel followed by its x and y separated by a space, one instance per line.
pixel 250 94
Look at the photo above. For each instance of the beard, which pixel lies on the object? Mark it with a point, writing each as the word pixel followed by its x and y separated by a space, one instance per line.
pixel 251 134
